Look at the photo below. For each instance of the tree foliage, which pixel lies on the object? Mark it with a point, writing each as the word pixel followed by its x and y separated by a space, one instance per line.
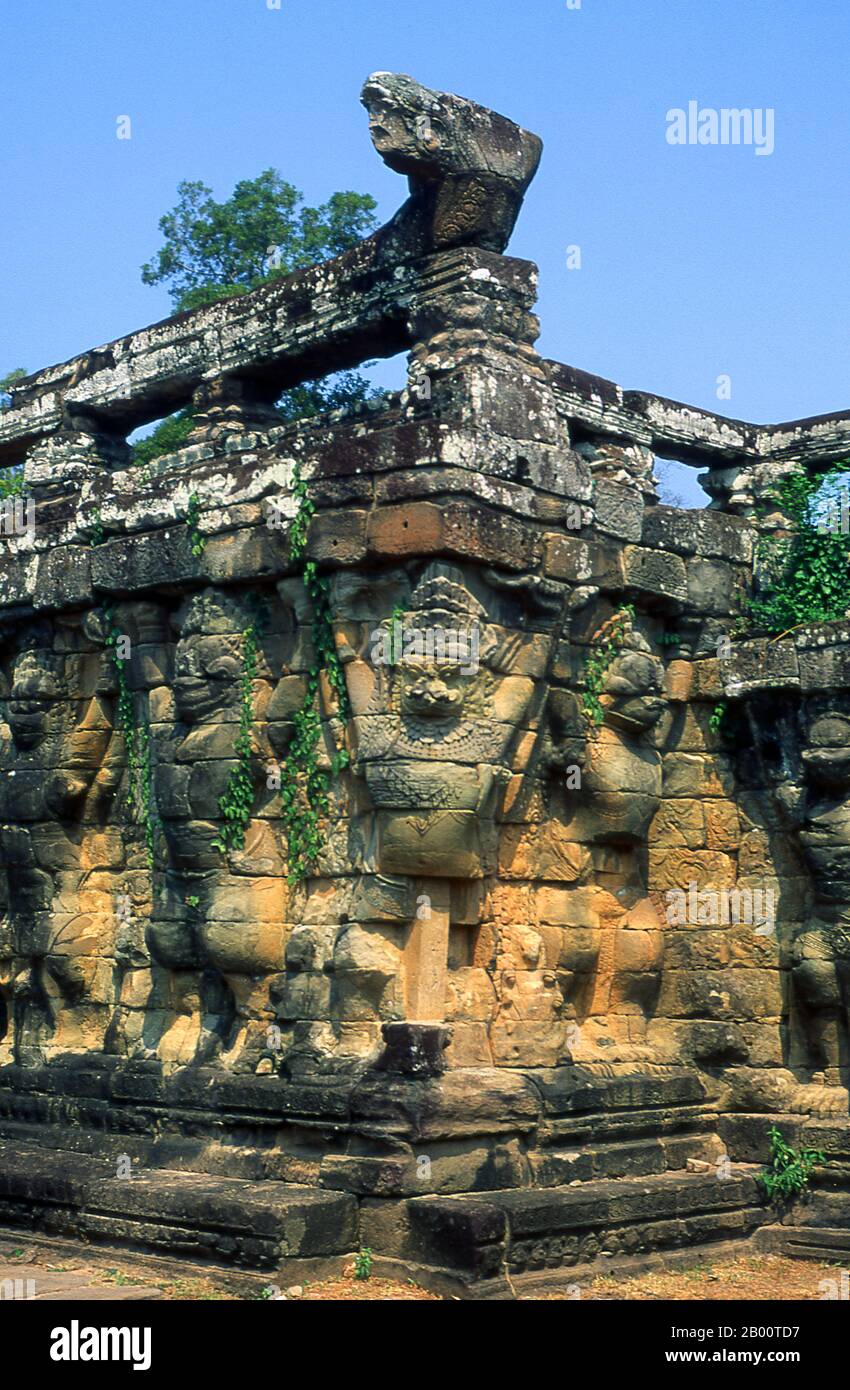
pixel 804 577
pixel 216 250
pixel 7 382
pixel 11 479
pixel 213 250
pixel 170 434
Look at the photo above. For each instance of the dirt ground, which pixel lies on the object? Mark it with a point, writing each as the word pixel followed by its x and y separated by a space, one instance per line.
pixel 35 1270
pixel 763 1278
pixel 70 1277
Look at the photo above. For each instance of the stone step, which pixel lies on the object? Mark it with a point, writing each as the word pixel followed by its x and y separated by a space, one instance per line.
pixel 562 1166
pixel 365 1134
pixel 229 1221
pixel 470 1170
pixel 828 1243
pixel 585 1087
pixel 821 1206
pixel 578 1159
pixel 602 1126
pixel 540 1234
pixel 746 1137
pixel 637 1144
pixel 178 1152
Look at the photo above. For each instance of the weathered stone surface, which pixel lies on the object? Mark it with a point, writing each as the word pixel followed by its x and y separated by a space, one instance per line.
pixel 469 168
pixel 434 833
pixel 583 562
pixel 704 533
pixel 618 510
pixel 655 573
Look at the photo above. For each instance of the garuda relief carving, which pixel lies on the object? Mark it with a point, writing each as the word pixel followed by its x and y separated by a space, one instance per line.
pixel 621 938
pixel 518 913
pixel 61 768
pixel 462 877
pixel 218 920
pixel 803 755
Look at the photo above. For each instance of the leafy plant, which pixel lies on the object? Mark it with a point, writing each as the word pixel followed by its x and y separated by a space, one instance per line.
pixel 788 1172
pixel 340 390
pixel 237 800
pixel 304 512
pixel 607 644
pixel 148 819
pixel 197 541
pixel 304 784
pixel 363 1262
pixel 218 250
pixel 805 577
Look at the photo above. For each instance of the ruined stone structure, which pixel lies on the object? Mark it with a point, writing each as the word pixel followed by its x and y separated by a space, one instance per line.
pixel 363 811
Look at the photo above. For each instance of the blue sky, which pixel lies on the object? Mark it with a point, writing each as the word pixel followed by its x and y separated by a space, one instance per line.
pixel 697 262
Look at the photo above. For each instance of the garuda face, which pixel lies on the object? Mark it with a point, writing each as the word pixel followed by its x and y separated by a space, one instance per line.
pixel 436 740
pixel 35 691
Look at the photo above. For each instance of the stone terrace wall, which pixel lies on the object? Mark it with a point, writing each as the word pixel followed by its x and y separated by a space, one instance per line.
pixel 467 847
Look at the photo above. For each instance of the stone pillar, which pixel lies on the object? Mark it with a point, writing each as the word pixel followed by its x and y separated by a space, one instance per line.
pixel 75 453
pixel 415 1049
pixel 224 406
pixel 743 489
pixel 473 359
pixel 426 954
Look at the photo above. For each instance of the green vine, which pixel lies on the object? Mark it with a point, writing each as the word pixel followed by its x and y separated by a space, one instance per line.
pixel 237 800
pixel 193 512
pixel 718 716
pixel 395 617
pixel 608 643
pixel 788 1172
pixel 304 513
pixel 305 786
pixel 805 576
pixel 136 741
